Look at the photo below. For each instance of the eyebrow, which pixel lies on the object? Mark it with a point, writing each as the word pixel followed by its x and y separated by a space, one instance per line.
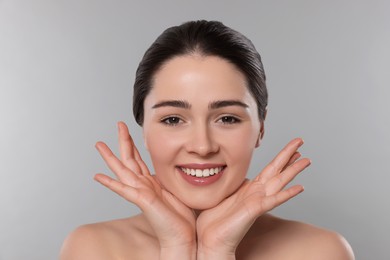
pixel 213 105
pixel 173 103
pixel 226 103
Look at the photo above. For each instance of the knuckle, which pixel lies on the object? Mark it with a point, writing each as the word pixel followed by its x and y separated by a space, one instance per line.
pixel 272 166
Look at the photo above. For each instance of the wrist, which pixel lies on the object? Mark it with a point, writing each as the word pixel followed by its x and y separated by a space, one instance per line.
pixel 205 253
pixel 185 252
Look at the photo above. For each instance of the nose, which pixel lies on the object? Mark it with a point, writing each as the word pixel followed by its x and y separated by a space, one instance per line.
pixel 201 141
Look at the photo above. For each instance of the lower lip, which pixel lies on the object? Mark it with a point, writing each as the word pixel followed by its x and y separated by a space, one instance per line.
pixel 201 181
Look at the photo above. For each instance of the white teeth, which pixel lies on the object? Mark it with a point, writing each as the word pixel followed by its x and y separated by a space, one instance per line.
pixel 202 173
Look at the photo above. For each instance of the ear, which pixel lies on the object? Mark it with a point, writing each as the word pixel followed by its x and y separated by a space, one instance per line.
pixel 261 133
pixel 260 136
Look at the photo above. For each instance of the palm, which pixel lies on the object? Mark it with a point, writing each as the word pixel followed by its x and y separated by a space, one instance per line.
pixel 223 226
pixel 227 223
pixel 172 221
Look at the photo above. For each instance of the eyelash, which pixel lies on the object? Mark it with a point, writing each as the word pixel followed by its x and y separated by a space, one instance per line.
pixel 226 120
pixel 166 120
pixel 232 119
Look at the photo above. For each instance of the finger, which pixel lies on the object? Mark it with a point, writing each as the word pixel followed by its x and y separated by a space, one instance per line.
pixel 279 162
pixel 123 173
pixel 270 202
pixel 131 155
pixel 127 192
pixel 133 195
pixel 293 159
pixel 144 168
pixel 126 146
pixel 278 182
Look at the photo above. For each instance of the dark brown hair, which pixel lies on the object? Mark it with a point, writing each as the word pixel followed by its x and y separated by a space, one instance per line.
pixel 208 38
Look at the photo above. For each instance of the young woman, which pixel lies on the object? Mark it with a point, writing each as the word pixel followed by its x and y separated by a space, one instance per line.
pixel 200 97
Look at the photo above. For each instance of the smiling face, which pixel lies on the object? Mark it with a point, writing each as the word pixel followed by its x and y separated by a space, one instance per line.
pixel 200 126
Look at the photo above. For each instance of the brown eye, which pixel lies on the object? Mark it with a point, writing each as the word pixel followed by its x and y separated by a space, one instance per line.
pixel 229 120
pixel 171 121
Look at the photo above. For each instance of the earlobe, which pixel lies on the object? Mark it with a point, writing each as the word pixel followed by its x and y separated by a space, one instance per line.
pixel 258 142
pixel 260 136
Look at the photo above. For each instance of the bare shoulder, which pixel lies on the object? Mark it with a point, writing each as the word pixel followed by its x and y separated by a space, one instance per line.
pixel 326 244
pixel 85 242
pixel 318 243
pixel 276 238
pixel 115 239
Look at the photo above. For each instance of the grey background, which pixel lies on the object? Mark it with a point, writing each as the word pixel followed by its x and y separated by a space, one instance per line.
pixel 66 75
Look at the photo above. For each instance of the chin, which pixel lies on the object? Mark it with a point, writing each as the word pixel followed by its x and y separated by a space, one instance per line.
pixel 201 204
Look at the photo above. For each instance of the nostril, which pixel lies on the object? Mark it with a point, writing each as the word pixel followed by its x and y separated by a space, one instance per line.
pixel 201 142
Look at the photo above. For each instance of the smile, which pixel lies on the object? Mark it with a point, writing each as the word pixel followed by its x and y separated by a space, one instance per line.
pixel 202 173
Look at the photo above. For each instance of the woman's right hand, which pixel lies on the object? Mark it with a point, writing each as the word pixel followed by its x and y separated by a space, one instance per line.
pixel 172 221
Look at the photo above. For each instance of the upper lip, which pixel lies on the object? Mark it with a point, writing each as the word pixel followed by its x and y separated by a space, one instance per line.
pixel 201 166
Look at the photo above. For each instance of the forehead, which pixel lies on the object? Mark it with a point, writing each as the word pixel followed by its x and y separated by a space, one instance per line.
pixel 195 75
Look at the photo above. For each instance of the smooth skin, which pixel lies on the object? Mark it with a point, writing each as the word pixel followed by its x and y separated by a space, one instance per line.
pixel 232 225
pixel 166 228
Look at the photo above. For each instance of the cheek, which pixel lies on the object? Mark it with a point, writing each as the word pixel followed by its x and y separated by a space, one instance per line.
pixel 162 148
pixel 240 149
pixel 243 141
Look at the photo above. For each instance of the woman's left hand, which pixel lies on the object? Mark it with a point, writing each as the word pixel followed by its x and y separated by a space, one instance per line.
pixel 220 229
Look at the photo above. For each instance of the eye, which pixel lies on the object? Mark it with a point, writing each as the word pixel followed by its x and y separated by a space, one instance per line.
pixel 171 121
pixel 229 120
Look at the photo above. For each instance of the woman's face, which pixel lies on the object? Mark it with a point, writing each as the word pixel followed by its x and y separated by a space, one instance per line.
pixel 201 126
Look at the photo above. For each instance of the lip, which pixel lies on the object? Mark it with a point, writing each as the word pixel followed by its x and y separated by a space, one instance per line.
pixel 201 181
pixel 201 166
